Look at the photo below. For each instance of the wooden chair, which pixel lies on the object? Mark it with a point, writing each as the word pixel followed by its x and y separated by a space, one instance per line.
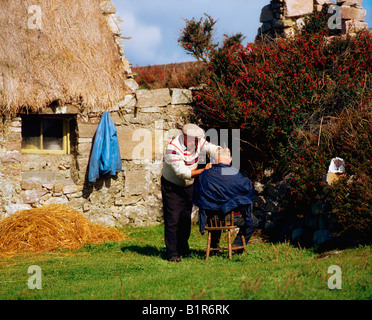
pixel 215 223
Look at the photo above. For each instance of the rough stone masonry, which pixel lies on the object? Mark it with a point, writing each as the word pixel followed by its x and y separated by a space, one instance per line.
pixel 282 17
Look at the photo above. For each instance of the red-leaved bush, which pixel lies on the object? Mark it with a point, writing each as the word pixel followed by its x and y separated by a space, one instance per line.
pixel 175 75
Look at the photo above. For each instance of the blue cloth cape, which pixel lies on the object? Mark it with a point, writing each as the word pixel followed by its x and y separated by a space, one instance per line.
pixel 223 188
pixel 105 157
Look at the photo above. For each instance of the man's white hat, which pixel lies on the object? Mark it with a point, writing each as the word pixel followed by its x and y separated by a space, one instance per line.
pixel 192 130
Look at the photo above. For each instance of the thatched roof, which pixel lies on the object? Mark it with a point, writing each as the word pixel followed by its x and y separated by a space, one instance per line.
pixel 72 58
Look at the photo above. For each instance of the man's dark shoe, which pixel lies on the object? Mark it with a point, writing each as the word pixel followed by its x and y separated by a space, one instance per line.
pixel 174 259
pixel 185 253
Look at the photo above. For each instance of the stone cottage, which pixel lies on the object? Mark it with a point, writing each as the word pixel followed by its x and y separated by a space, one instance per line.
pixel 62 64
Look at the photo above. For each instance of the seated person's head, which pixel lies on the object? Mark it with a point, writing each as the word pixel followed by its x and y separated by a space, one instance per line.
pixel 221 156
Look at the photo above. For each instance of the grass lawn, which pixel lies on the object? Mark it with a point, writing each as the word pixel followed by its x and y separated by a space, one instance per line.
pixel 135 269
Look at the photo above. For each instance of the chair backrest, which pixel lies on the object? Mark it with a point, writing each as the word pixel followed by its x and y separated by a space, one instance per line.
pixel 220 221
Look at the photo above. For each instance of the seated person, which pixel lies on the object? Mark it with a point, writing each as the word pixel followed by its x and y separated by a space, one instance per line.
pixel 221 189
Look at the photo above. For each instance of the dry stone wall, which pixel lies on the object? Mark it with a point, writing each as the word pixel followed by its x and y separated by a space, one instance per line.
pixel 282 17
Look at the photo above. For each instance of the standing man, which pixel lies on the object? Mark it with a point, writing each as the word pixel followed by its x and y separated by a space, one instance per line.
pixel 179 170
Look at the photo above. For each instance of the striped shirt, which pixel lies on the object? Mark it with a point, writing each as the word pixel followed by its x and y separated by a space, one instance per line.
pixel 179 162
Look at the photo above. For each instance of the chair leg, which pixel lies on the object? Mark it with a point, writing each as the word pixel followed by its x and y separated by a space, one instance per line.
pixel 229 243
pixel 244 244
pixel 208 245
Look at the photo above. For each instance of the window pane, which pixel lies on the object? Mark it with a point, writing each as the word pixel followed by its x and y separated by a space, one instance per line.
pixel 52 134
pixel 30 133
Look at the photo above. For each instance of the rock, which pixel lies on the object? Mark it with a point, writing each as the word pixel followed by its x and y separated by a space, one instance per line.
pixel 136 182
pixel 258 187
pixel 321 2
pixel 56 200
pixel 153 98
pixel 125 201
pixel 48 186
pixel 32 196
pixel 128 103
pixel 266 26
pixel 58 188
pixel 318 207
pixel 272 190
pixel 288 32
pixel 113 24
pixel 300 23
pixel 131 84
pixel 294 8
pixel 10 156
pixel 350 26
pixel 350 13
pixel 266 14
pixel 297 234
pixel 105 218
pixel 282 23
pixel 181 96
pixel 352 3
pixel 101 197
pixel 271 206
pixel 13 208
pixel 73 195
pixel 269 224
pixel 71 189
pixel 27 185
pixel 107 7
pixel 322 236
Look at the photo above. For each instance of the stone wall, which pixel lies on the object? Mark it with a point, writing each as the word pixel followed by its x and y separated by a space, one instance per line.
pixel 313 226
pixel 145 120
pixel 114 23
pixel 282 17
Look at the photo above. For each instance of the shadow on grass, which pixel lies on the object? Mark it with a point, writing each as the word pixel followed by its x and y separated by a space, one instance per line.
pixel 153 251
pixel 146 250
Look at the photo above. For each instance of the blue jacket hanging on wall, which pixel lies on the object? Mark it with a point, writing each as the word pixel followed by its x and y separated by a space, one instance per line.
pixel 105 157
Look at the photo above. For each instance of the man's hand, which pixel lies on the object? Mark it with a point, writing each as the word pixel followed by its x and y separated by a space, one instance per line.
pixel 197 172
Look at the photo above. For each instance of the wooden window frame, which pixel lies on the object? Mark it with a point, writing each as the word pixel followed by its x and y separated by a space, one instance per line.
pixel 65 139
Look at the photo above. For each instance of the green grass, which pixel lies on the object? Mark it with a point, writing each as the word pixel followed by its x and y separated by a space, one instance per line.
pixel 135 269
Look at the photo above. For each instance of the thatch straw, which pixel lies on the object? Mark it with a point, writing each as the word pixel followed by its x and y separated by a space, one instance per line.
pixel 49 228
pixel 72 58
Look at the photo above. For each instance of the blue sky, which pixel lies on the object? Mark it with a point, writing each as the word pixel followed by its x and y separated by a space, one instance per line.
pixel 155 25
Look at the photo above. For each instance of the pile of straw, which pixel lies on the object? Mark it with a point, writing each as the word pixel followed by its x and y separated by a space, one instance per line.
pixel 49 228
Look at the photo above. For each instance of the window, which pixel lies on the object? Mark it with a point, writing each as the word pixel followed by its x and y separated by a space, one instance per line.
pixel 45 134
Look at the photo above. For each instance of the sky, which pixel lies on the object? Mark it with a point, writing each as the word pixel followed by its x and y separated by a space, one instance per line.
pixel 155 25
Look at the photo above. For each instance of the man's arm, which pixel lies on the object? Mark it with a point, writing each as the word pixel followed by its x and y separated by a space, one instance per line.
pixel 197 172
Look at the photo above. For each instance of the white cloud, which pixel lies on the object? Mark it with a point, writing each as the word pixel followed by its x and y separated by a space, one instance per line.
pixel 145 42
pixel 155 25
